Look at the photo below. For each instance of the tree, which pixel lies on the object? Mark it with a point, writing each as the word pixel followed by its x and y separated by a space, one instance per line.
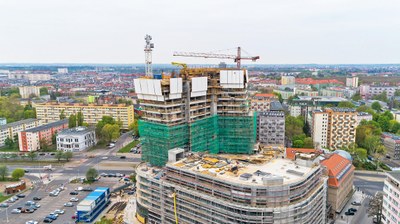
pixel 346 104
pixel 62 115
pixel 91 174
pixel 32 155
pixel 44 146
pixel 375 206
pixel 99 126
pixel 68 155
pixel 79 118
pixel 384 123
pixel 308 143
pixel 44 91
pixel 3 172
pixel 371 143
pixel 376 106
pixel 72 121
pixel 59 155
pixel 298 144
pixel 361 154
pixel 110 132
pixel 134 126
pixel 381 97
pixel 18 173
pixel 54 138
pixel 356 97
pixel 293 126
pixel 9 143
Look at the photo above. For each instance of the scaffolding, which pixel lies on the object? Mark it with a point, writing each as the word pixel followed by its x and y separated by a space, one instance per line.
pixel 204 135
pixel 157 139
pixel 237 134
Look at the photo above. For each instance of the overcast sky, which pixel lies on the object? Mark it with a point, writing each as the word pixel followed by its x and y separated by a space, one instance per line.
pixel 279 31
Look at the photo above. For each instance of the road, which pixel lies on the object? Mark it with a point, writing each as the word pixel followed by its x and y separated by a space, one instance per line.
pixel 61 176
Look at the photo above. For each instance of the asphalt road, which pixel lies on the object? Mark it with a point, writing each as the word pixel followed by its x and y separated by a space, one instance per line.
pixel 368 182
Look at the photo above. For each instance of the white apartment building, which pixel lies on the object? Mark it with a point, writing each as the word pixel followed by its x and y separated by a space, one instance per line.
pixel 391 198
pixel 352 81
pixel 75 139
pixel 12 129
pixel 26 91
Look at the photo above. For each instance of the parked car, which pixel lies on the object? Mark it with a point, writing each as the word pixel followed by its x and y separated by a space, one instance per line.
pixel 15 211
pixel 42 154
pixel 74 217
pixel 27 210
pixel 87 189
pixel 10 200
pixel 352 210
pixel 104 158
pixel 122 157
pixel 349 213
pixel 103 174
pixel 20 195
pixel 119 175
pixel 47 220
pixel 52 217
pixel 68 204
pixel 54 214
pixel 4 205
pixel 37 198
pixel 36 206
pixel 59 211
pixel 131 192
pixel 32 222
pixel 73 193
pixel 29 203
pixel 357 203
pixel 74 200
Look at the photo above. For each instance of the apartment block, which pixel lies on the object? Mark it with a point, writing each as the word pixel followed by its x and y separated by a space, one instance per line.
pixel 340 182
pixel 32 77
pixel 271 128
pixel 75 139
pixel 391 198
pixel 27 91
pixel 11 130
pixel 303 105
pixel 334 128
pixel 368 92
pixel 288 80
pixel 352 82
pixel 29 140
pixel 262 101
pixel 392 144
pixel 92 113
pixel 233 188
pixel 200 110
pixel 363 116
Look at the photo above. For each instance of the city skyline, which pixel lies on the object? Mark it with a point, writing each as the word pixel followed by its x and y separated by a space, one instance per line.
pixel 284 32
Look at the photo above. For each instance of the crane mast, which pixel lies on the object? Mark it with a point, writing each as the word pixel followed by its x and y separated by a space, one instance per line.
pixel 148 48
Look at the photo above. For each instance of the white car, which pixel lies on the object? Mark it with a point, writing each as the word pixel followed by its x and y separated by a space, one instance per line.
pixel 68 204
pixel 79 189
pixel 74 200
pixel 32 222
pixel 104 158
pixel 59 211
pixel 54 214
pixel 15 211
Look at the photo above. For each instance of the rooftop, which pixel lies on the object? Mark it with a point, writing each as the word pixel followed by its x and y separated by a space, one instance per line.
pixel 48 126
pixel 341 109
pixel 13 124
pixel 75 131
pixel 271 113
pixel 276 105
pixel 245 169
pixel 395 174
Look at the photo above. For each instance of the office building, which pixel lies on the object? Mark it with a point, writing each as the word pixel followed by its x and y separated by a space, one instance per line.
pixel 271 128
pixel 92 113
pixel 11 130
pixel 91 207
pixel 392 144
pixel 334 128
pixel 352 82
pixel 29 91
pixel 226 188
pixel 261 101
pixel 75 139
pixel 288 80
pixel 340 182
pixel 30 139
pixel 201 110
pixel 391 198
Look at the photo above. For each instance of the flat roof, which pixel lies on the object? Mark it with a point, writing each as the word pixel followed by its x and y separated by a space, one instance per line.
pixel 75 131
pixel 48 126
pixel 251 169
pixel 13 124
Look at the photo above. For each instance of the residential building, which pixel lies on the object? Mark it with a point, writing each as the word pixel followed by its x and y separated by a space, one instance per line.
pixel 93 205
pixel 391 198
pixel 363 116
pixel 92 113
pixel 30 139
pixel 230 188
pixel 368 92
pixel 62 70
pixel 207 110
pixel 334 128
pixel 306 92
pixel 392 144
pixel 276 106
pixel 32 77
pixel 288 80
pixel 352 82
pixel 262 101
pixel 11 130
pixel 271 128
pixel 75 139
pixel 340 182
pixel 3 121
pixel 302 105
pixel 28 91
pixel 284 93
pixel 332 92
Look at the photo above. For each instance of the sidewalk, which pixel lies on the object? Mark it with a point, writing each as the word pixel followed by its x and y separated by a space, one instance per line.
pixel 130 211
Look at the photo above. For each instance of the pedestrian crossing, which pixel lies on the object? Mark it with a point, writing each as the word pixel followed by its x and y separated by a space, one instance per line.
pixel 368 196
pixel 35 182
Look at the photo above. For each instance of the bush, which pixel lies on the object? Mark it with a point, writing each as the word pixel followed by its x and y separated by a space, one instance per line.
pixel 18 173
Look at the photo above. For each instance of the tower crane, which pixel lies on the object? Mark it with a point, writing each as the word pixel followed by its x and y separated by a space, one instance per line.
pixel 148 48
pixel 237 58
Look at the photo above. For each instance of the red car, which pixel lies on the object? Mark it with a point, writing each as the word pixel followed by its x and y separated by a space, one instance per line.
pixel 74 217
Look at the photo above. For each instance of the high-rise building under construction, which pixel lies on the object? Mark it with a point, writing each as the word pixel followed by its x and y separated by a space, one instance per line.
pixel 200 110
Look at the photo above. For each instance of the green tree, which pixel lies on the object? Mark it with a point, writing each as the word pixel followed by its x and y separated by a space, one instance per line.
pixel 91 174
pixel 376 106
pixel 346 104
pixel 308 143
pixel 3 172
pixel 375 206
pixel 384 123
pixel 110 132
pixel 298 144
pixel 381 97
pixel 62 115
pixel 32 155
pixel 59 155
pixel 54 138
pixel 68 155
pixel 17 174
pixel 44 145
pixel 29 114
pixel 134 126
pixel 44 91
pixel 371 143
pixel 72 121
pixel 293 126
pixel 79 118
pixel 361 154
pixel 9 143
pixel 356 97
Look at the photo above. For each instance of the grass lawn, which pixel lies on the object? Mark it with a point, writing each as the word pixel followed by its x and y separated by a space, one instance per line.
pixel 3 198
pixel 128 147
pixel 35 162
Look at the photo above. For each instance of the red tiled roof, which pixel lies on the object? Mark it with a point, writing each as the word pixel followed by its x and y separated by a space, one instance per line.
pixel 335 165
pixel 270 95
pixel 310 81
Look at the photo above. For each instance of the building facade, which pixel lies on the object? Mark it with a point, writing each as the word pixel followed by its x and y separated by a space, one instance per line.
pixel 32 77
pixel 207 189
pixel 271 127
pixel 50 112
pixel 75 139
pixel 391 198
pixel 352 82
pixel 91 207
pixel 262 101
pixel 28 91
pixel 340 182
pixel 11 130
pixel 392 144
pixel 334 128
pixel 363 116
pixel 3 121
pixel 29 140
pixel 288 80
